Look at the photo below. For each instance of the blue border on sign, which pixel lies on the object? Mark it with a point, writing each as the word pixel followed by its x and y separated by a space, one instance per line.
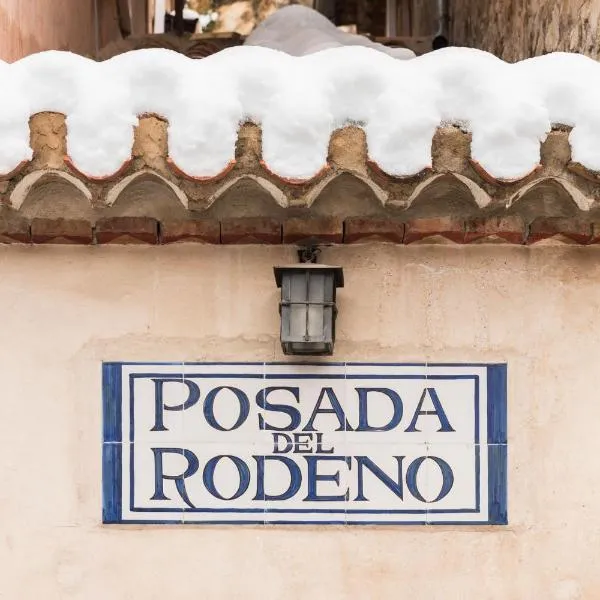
pixel 112 398
pixel 496 446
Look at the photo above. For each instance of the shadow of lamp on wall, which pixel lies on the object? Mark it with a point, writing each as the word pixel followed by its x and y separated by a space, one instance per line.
pixel 307 307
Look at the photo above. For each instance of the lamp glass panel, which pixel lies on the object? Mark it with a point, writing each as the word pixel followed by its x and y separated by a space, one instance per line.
pixel 316 287
pixel 294 286
pixel 315 321
pixel 308 348
pixel 316 295
pixel 328 323
pixel 306 313
pixel 293 316
pixel 297 314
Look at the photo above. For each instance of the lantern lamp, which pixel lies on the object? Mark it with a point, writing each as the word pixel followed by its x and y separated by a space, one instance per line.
pixel 308 308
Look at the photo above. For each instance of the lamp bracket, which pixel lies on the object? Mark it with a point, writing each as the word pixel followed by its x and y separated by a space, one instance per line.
pixel 308 254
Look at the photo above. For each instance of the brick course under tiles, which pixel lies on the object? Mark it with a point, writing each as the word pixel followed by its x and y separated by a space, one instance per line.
pixel 350 201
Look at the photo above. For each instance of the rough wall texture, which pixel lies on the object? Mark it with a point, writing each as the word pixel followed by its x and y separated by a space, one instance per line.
pixel 517 29
pixel 69 308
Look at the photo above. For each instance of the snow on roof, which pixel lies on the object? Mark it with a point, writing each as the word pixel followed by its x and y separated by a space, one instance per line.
pixel 299 101
pixel 299 30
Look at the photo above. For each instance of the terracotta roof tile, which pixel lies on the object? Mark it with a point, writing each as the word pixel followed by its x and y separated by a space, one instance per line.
pixel 127 230
pixel 509 228
pixel 572 230
pixel 61 231
pixel 452 201
pixel 206 231
pixel 450 228
pixel 14 230
pixel 250 230
pixel 364 229
pixel 303 230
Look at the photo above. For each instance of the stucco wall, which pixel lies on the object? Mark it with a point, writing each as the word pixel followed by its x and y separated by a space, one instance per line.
pixel 517 29
pixel 34 25
pixel 67 309
pixel 28 26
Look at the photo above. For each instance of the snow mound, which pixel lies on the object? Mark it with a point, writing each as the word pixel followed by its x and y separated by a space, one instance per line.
pixel 299 102
pixel 299 30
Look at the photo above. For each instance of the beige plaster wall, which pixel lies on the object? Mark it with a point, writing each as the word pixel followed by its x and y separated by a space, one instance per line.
pixel 64 310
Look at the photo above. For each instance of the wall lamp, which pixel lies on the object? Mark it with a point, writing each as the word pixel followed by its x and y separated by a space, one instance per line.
pixel 307 305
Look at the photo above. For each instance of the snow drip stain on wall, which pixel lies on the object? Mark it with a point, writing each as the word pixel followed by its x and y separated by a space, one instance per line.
pixel 299 102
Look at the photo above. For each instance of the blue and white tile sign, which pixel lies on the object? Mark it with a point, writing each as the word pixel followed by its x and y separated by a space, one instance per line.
pixel 287 443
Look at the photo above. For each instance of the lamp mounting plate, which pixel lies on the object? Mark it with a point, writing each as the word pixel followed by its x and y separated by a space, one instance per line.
pixel 308 254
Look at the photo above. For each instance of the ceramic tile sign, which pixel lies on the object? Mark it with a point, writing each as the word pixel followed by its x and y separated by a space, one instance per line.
pixel 343 443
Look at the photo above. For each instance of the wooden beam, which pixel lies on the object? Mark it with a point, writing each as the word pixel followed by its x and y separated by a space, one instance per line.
pixel 391 18
pixel 124 11
pixel 179 6
pixel 405 20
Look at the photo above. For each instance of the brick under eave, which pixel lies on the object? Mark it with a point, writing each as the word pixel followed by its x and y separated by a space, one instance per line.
pixel 47 200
